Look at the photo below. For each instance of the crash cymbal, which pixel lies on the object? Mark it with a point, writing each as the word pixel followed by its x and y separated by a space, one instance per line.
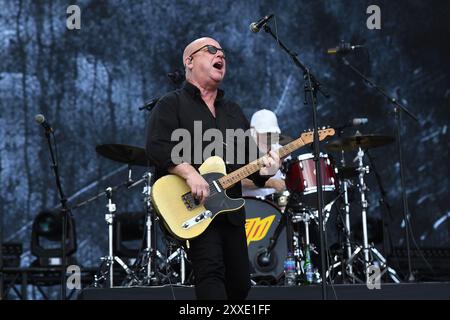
pixel 284 139
pixel 354 142
pixel 123 153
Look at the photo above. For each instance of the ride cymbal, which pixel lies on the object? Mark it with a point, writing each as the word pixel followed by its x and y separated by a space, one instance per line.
pixel 368 141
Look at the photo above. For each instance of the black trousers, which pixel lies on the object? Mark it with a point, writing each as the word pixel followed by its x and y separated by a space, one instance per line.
pixel 220 261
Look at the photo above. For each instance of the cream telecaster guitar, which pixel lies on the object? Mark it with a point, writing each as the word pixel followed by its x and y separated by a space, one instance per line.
pixel 181 213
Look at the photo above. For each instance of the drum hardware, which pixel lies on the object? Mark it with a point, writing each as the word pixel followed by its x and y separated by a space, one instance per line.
pixel 296 213
pixel 145 266
pixel 359 143
pixel 107 267
pixel 145 272
pixel 151 262
pixel 348 268
pixel 150 252
pixel 347 228
pixel 369 252
pixel 180 256
pixel 280 199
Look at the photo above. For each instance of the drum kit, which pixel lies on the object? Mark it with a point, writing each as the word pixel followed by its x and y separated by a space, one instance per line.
pixel 286 215
pixel 299 210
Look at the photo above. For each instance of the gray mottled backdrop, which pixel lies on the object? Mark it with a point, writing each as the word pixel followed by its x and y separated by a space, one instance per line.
pixel 90 82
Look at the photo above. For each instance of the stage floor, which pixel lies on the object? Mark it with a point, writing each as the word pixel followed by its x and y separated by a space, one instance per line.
pixel 404 291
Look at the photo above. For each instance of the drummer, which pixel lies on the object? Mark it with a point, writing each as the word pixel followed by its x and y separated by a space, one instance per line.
pixel 266 132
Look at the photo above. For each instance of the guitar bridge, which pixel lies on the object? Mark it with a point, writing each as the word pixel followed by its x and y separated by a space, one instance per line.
pixel 189 201
pixel 197 219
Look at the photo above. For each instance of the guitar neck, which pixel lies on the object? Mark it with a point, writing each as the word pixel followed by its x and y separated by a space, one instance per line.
pixel 254 166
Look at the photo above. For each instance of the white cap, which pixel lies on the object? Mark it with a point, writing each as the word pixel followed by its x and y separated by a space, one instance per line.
pixel 264 121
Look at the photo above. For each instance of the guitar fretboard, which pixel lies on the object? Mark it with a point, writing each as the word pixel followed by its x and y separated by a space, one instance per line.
pixel 254 166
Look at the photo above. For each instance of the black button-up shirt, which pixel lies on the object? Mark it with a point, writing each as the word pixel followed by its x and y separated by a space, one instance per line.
pixel 180 109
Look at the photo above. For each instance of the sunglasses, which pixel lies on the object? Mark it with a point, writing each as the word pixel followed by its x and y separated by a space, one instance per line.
pixel 211 49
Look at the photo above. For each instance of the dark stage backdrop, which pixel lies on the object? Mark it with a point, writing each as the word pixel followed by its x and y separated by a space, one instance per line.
pixel 89 83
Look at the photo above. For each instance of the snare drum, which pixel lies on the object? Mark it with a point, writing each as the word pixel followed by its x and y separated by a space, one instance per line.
pixel 301 178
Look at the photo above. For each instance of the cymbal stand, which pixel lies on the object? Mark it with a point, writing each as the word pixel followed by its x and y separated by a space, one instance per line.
pixel 348 247
pixel 305 216
pixel 150 252
pixel 110 258
pixel 364 204
pixel 369 252
pixel 179 256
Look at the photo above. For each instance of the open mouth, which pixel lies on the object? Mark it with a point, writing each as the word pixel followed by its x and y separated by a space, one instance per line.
pixel 218 65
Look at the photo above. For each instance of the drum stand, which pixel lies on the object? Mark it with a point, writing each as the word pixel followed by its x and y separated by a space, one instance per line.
pixel 150 253
pixel 109 260
pixel 179 254
pixel 368 251
pixel 347 231
pixel 306 216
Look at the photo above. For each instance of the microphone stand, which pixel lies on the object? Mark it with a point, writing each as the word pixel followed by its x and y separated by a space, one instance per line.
pixel 398 108
pixel 1 251
pixel 65 211
pixel 311 87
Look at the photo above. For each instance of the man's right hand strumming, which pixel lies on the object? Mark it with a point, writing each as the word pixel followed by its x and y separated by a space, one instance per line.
pixel 198 185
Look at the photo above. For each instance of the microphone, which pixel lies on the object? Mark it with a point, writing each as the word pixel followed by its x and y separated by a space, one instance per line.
pixel 149 105
pixel 40 119
pixel 264 258
pixel 256 26
pixel 344 48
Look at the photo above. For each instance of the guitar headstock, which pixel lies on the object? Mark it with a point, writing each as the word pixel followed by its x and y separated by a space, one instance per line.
pixel 308 136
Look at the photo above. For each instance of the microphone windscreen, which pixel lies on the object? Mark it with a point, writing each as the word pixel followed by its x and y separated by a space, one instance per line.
pixel 39 118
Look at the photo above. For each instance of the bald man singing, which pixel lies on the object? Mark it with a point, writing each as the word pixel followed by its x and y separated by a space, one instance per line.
pixel 219 256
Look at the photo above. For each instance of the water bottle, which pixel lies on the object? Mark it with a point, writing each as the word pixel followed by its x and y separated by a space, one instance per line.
pixel 289 270
pixel 308 267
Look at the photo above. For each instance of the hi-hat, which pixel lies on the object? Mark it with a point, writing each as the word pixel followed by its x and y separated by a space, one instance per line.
pixel 130 155
pixel 358 141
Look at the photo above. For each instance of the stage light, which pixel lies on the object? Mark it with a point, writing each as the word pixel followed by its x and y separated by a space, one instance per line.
pixel 46 237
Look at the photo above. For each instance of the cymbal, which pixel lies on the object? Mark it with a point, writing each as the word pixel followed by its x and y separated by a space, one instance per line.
pixel 354 142
pixel 123 153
